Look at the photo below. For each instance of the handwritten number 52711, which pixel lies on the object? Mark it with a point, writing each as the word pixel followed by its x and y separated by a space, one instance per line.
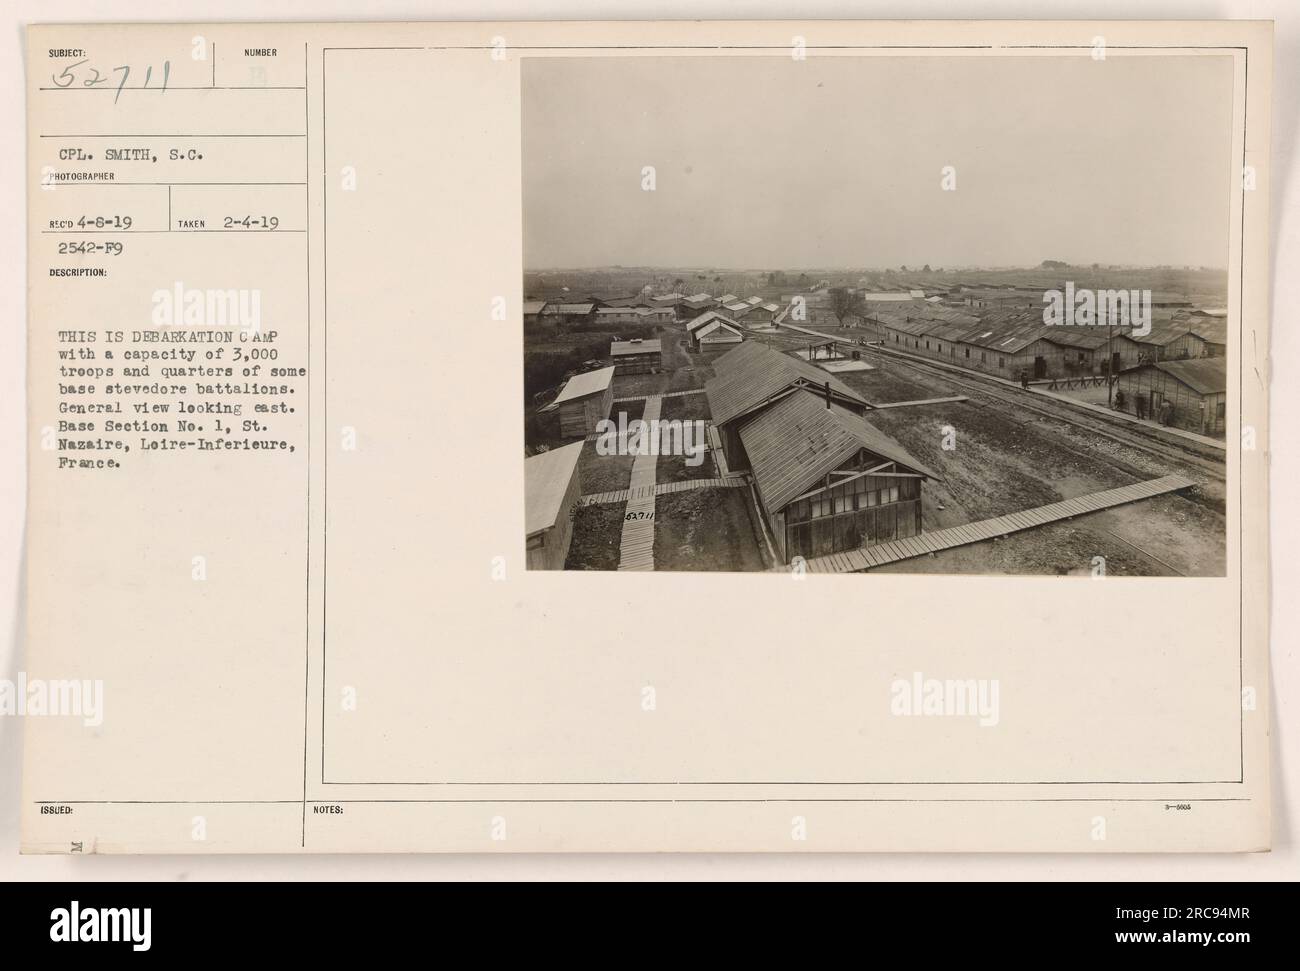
pixel 94 77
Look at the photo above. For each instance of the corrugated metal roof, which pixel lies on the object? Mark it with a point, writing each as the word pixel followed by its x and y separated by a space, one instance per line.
pixel 1088 338
pixel 546 480
pixel 907 323
pixel 622 348
pixel 1205 375
pixel 715 324
pixel 533 306
pixel 887 297
pixel 1167 331
pixel 794 444
pixel 738 307
pixel 581 385
pixel 949 315
pixel 704 318
pixel 1008 333
pixel 1212 329
pixel 572 308
pixel 754 372
pixel 728 298
pixel 953 333
pixel 754 300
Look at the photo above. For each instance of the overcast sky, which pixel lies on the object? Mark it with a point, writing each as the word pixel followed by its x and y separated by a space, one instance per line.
pixel 772 163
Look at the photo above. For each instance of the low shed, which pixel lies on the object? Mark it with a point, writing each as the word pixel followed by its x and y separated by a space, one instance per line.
pixel 637 356
pixel 584 401
pixel 551 489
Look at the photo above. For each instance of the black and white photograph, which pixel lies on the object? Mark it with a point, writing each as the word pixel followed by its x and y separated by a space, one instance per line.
pixel 930 313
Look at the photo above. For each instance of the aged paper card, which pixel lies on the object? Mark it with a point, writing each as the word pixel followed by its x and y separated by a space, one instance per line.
pixel 647 436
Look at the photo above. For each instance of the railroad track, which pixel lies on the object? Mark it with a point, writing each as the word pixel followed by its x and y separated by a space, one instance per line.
pixel 1186 453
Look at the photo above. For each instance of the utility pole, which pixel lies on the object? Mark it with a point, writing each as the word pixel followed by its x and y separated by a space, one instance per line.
pixel 1110 358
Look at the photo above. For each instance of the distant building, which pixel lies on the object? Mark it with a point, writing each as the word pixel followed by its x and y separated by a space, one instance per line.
pixel 1163 298
pixel 1000 299
pixel 621 315
pixel 551 490
pixel 761 313
pixel 693 306
pixel 533 310
pixel 869 297
pixel 571 313
pixel 660 315
pixel 1008 343
pixel 583 402
pixel 712 330
pixel 1212 327
pixel 1184 336
pixel 1189 394
pixel 636 356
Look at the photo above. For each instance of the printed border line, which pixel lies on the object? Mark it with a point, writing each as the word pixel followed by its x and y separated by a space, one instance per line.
pixel 762 799
pixel 306 633
pixel 1240 410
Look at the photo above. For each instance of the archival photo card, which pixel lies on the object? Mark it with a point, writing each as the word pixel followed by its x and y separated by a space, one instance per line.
pixel 364 358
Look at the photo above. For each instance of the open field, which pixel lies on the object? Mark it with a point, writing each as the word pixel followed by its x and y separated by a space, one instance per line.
pixel 1003 461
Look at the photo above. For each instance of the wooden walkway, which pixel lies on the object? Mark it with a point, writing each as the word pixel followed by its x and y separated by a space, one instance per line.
pixel 624 495
pixel 636 549
pixel 666 394
pixel 870 557
pixel 922 401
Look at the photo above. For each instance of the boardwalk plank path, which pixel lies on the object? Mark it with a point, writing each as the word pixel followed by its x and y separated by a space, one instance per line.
pixel 666 394
pixel 636 549
pixel 623 495
pixel 978 532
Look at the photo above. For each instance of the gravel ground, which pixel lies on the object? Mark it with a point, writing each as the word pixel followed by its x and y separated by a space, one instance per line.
pixel 1003 460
